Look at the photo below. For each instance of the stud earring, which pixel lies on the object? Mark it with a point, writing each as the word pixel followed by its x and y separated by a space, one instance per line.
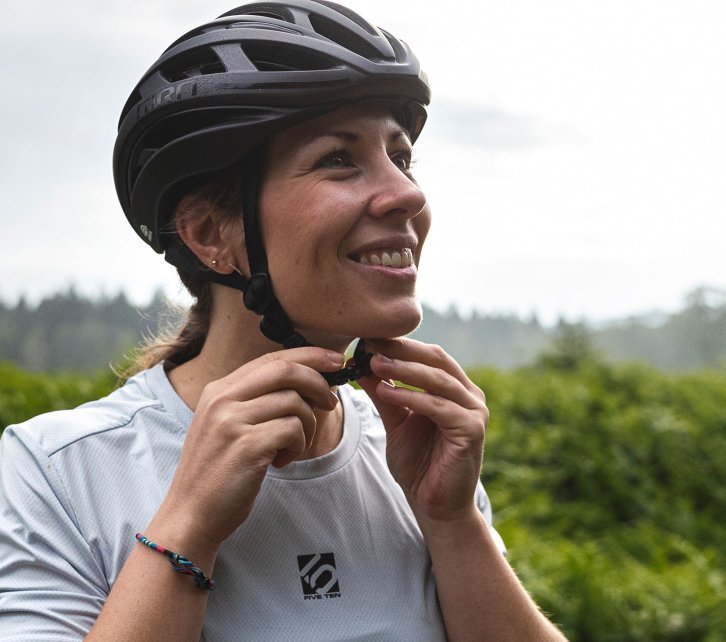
pixel 214 263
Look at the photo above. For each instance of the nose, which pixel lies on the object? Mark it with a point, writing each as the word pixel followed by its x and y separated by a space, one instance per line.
pixel 394 193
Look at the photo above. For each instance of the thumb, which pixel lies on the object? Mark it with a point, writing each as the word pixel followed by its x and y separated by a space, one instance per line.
pixel 391 414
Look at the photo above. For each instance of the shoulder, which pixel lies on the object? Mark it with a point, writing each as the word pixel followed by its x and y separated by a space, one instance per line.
pixel 52 432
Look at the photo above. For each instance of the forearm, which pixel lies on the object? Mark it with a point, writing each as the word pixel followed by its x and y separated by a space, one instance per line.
pixel 479 594
pixel 149 601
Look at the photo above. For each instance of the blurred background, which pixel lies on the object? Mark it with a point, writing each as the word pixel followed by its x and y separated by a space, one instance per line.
pixel 574 154
pixel 574 158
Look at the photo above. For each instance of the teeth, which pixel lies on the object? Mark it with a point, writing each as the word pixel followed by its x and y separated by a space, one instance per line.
pixel 388 258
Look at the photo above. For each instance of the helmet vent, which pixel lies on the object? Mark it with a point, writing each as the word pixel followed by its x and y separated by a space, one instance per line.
pixel 262 25
pixel 278 57
pixel 264 10
pixel 280 15
pixel 344 37
pixel 352 16
pixel 198 62
pixel 398 50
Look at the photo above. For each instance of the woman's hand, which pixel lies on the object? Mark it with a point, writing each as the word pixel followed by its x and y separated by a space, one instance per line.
pixel 435 435
pixel 260 414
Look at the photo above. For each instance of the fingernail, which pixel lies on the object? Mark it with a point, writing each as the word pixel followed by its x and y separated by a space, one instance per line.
pixel 335 357
pixel 333 398
pixel 383 358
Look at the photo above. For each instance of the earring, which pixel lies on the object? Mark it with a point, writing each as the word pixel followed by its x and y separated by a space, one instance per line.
pixel 214 263
pixel 236 269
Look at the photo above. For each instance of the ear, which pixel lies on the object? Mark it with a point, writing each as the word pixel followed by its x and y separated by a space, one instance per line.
pixel 206 235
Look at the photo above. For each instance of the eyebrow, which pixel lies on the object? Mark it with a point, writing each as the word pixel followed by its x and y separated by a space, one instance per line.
pixel 350 137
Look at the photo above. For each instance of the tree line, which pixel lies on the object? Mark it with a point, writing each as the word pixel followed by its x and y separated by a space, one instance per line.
pixel 71 332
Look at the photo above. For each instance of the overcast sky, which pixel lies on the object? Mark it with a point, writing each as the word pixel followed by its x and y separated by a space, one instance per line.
pixel 575 152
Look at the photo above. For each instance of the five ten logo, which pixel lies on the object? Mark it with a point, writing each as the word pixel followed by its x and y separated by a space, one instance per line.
pixel 319 576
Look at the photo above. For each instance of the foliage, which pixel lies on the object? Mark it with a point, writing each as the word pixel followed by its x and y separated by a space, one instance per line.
pixel 501 340
pixel 609 487
pixel 690 339
pixel 693 338
pixel 70 332
pixel 24 394
pixel 608 484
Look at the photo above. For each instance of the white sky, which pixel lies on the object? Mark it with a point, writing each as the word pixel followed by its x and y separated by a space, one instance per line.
pixel 575 151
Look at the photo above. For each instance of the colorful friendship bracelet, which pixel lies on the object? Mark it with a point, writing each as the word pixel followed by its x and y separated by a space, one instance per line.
pixel 181 564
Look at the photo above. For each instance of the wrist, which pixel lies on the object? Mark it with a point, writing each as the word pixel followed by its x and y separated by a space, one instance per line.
pixel 451 526
pixel 184 535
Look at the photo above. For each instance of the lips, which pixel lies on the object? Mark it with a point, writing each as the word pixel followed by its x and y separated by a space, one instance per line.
pixel 386 257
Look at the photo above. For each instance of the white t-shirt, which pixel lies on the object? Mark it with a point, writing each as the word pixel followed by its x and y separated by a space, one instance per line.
pixel 331 550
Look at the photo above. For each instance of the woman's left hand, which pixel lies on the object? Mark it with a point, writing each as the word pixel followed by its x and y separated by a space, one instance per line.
pixel 435 435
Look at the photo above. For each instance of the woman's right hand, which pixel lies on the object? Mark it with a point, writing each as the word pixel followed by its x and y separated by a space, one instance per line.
pixel 260 414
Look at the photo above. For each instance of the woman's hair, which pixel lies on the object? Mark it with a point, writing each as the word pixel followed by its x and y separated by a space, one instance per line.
pixel 222 193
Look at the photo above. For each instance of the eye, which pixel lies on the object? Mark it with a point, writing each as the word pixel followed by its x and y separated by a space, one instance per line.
pixel 403 160
pixel 338 159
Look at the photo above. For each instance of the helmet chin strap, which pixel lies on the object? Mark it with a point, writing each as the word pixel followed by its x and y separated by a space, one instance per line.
pixel 260 297
pixel 258 294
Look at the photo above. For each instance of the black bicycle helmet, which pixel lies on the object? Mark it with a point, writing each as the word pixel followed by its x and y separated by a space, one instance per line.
pixel 218 93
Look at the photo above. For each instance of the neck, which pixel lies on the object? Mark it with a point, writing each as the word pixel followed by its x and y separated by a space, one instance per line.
pixel 234 339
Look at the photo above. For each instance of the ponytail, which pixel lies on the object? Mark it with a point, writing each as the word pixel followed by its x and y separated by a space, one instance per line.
pixel 176 347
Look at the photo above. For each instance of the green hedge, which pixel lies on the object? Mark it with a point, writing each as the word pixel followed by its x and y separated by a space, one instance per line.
pixel 609 487
pixel 608 484
pixel 27 394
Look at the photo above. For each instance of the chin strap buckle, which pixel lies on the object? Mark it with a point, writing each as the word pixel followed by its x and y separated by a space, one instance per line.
pixel 357 367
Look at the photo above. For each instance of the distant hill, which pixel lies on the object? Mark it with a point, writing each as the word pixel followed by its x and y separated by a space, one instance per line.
pixel 70 332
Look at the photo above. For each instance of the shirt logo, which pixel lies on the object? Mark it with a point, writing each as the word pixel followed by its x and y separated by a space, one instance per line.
pixel 318 576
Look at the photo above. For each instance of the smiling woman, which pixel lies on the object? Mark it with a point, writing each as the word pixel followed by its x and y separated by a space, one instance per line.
pixel 267 154
pixel 331 205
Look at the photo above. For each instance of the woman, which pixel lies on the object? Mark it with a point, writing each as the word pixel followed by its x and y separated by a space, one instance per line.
pixel 268 155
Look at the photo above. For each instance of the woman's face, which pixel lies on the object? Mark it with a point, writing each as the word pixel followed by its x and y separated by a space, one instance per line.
pixel 343 224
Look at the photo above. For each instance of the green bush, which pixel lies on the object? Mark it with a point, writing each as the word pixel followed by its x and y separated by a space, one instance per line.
pixel 24 395
pixel 608 485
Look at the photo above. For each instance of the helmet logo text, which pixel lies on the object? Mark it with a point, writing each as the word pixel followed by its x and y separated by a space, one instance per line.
pixel 168 95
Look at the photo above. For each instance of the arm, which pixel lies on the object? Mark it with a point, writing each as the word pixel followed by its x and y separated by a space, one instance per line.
pixel 479 594
pixel 51 584
pixel 435 438
pixel 261 414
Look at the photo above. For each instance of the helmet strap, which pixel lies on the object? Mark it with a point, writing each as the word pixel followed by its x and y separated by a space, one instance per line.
pixel 181 256
pixel 258 294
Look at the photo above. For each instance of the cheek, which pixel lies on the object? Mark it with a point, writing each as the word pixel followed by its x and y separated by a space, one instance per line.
pixel 304 260
pixel 305 230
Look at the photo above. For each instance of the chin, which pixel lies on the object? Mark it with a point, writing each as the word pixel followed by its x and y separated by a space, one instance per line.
pixel 397 322
pixel 370 323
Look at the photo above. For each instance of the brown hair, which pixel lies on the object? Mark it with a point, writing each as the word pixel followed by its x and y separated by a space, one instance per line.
pixel 223 193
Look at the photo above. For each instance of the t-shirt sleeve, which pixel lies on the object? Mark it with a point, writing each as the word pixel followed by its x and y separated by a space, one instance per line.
pixel 485 507
pixel 51 584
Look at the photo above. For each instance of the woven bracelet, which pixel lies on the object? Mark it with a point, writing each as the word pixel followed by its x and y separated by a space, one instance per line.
pixel 181 564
